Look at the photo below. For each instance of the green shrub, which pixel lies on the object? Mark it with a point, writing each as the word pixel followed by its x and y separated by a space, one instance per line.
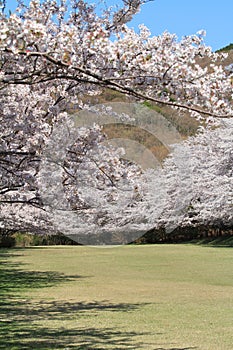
pixel 6 241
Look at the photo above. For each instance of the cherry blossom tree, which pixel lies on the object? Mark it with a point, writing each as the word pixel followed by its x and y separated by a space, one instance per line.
pixel 56 58
pixel 198 174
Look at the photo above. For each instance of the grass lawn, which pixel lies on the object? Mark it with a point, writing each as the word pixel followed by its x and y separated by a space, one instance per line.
pixel 160 297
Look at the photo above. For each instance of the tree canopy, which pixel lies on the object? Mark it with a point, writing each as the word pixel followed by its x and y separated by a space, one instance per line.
pixel 56 57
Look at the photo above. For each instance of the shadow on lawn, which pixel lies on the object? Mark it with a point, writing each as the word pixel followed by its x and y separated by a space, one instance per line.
pixel 189 348
pixel 193 347
pixel 18 315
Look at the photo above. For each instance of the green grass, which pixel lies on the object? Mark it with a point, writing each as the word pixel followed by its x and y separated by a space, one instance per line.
pixel 161 297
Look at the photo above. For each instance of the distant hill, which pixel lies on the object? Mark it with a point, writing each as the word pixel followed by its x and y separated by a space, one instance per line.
pixel 226 48
pixel 183 123
pixel 167 124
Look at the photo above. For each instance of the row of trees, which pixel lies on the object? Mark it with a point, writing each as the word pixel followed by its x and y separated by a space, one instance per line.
pixel 57 177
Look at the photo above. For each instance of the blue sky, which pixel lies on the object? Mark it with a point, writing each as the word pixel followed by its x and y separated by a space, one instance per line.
pixel 185 17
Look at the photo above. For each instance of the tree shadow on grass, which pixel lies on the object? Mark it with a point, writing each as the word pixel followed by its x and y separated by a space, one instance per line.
pixel 20 331
pixel 187 348
pixel 27 337
pixel 14 280
pixel 20 317
pixel 225 241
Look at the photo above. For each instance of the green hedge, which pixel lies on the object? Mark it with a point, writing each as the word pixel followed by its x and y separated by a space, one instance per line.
pixel 20 239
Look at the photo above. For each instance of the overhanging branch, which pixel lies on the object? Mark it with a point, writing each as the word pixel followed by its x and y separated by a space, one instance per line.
pixel 109 83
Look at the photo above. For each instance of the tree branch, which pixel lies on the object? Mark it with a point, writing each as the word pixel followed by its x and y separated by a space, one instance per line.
pixel 98 79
